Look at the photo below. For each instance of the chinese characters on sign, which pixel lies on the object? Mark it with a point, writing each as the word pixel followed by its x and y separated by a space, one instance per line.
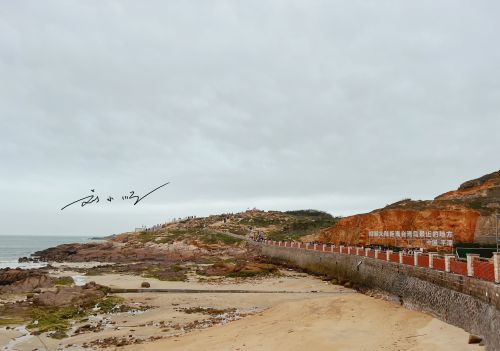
pixel 431 238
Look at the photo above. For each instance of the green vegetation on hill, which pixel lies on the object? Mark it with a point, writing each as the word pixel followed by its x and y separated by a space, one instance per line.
pixel 215 238
pixel 204 235
pixel 274 225
pixel 301 223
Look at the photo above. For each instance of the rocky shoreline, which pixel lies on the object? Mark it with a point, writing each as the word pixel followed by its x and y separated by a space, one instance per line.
pixel 49 302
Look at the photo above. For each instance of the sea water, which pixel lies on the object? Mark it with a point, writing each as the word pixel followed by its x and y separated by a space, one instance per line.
pixel 14 246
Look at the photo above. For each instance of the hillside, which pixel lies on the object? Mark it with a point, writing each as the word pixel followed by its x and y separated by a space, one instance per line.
pixel 468 212
pixel 176 249
pixel 194 238
pixel 274 225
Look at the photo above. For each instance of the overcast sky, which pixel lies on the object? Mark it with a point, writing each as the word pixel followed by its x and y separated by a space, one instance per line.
pixel 342 106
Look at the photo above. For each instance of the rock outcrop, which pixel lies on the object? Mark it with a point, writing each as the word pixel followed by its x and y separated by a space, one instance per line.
pixel 70 296
pixel 9 275
pixel 15 281
pixel 102 252
pixel 483 192
pixel 468 212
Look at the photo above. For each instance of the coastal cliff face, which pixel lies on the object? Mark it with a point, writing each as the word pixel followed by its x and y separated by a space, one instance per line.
pixel 468 212
pixel 354 229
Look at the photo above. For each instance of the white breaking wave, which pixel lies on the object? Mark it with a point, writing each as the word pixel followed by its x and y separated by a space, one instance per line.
pixel 24 265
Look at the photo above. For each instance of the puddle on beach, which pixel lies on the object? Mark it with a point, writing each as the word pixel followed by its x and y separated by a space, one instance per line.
pixel 79 280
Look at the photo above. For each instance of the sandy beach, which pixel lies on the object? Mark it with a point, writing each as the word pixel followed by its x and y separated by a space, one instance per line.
pixel 347 322
pixel 290 311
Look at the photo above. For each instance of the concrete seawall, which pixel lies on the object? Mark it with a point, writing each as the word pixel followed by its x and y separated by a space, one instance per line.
pixel 465 302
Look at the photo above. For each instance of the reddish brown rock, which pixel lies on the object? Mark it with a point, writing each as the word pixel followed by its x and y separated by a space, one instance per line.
pixel 66 296
pixel 468 212
pixel 102 252
pixel 486 187
pixel 29 284
pixel 23 280
pixel 9 275
pixel 354 229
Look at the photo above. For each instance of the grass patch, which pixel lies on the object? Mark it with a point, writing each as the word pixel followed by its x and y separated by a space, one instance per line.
pixel 219 238
pixel 57 320
pixel 65 281
pixel 145 236
pixel 178 234
pixel 111 304
pixel 173 235
pixel 261 221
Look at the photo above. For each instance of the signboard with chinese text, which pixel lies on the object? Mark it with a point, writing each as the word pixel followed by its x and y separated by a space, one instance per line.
pixel 429 237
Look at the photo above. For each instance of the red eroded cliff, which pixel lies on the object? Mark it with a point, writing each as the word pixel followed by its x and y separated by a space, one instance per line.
pixel 468 212
pixel 354 229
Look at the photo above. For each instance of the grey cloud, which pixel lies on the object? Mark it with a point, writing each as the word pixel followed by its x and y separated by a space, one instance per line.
pixel 337 105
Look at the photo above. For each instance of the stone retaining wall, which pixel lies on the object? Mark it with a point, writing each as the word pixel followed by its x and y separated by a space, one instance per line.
pixel 466 302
